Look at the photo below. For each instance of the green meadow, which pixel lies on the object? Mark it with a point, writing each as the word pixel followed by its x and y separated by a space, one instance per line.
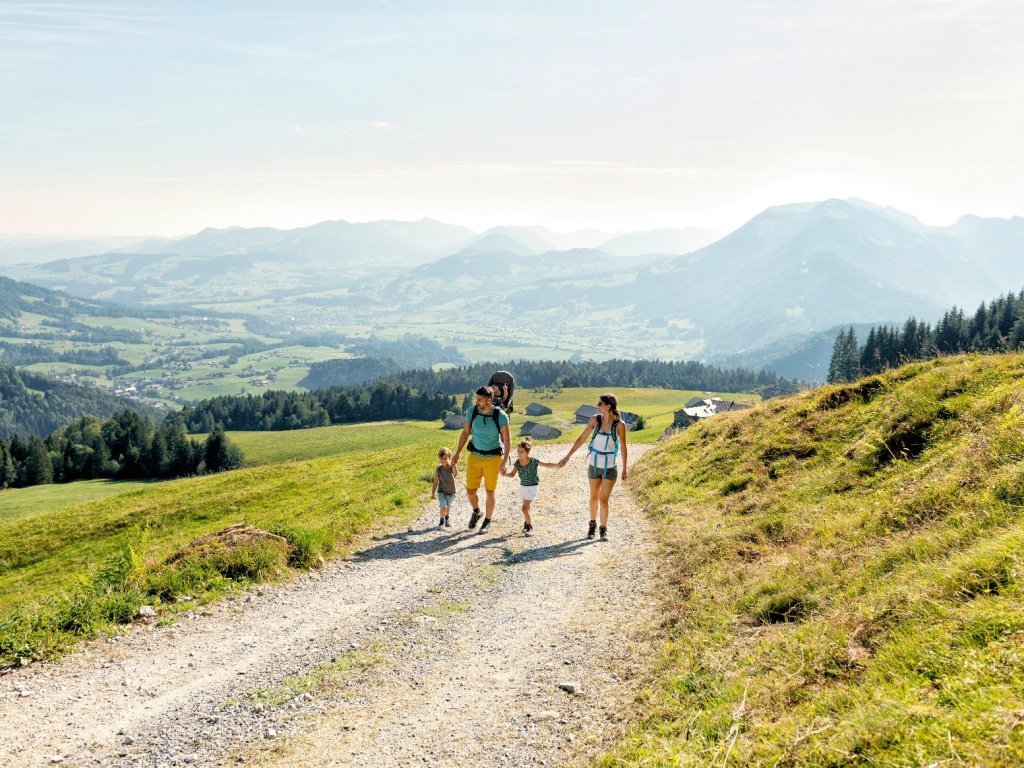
pixel 657 406
pixel 40 499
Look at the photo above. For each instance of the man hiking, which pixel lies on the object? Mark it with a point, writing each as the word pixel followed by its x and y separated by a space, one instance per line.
pixel 489 444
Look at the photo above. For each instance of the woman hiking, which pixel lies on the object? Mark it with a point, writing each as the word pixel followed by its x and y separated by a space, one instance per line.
pixel 607 434
pixel 488 452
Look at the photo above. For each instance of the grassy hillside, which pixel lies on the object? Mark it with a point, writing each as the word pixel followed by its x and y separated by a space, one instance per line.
pixel 843 577
pixel 49 550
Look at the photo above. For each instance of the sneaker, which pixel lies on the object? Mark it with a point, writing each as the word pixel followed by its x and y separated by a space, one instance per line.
pixel 440 523
pixel 448 522
pixel 485 525
pixel 604 533
pixel 527 529
pixel 592 529
pixel 474 519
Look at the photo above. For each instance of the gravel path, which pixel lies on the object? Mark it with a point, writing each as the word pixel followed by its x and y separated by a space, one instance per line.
pixel 429 646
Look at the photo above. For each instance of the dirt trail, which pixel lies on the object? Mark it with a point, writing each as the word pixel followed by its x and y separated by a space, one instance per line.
pixel 430 646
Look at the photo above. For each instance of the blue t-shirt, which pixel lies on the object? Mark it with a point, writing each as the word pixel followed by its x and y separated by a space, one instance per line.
pixel 485 434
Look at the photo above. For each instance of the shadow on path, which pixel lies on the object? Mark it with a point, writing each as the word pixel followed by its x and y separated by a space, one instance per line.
pixel 562 549
pixel 398 546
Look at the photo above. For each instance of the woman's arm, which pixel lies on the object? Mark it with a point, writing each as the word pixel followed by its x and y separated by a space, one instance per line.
pixel 549 464
pixel 580 440
pixel 625 450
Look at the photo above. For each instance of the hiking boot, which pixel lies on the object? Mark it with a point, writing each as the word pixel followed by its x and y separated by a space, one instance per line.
pixel 604 533
pixel 448 522
pixel 440 523
pixel 527 529
pixel 485 524
pixel 592 529
pixel 474 519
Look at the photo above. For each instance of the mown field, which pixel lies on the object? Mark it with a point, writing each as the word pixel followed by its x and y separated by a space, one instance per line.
pixel 270 447
pixel 843 578
pixel 40 499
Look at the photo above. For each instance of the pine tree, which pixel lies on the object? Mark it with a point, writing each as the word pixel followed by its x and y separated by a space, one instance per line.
pixel 835 363
pixel 220 453
pixel 38 465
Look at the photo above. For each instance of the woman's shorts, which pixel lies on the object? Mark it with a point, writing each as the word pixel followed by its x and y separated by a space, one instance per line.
pixel 483 468
pixel 612 473
pixel 445 500
pixel 528 492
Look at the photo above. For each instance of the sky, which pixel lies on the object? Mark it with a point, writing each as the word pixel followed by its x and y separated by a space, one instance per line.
pixel 162 118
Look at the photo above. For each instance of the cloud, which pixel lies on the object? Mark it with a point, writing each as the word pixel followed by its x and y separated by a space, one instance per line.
pixel 383 125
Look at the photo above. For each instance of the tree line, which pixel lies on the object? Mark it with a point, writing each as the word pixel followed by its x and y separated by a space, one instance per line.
pixel 279 410
pixel 28 354
pixel 658 374
pixel 995 326
pixel 127 446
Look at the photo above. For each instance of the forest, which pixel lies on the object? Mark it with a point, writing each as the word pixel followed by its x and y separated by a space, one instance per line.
pixel 127 446
pixel 995 326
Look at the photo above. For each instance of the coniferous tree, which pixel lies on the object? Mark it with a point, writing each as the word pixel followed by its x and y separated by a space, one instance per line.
pixel 220 453
pixel 38 465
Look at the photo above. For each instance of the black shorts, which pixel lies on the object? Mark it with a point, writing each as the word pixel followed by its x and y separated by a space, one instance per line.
pixel 612 473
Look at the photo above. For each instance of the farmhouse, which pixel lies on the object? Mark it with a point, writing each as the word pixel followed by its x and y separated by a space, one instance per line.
pixel 536 409
pixel 584 412
pixel 455 421
pixel 686 416
pixel 539 431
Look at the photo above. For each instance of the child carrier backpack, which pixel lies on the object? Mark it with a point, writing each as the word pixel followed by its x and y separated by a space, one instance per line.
pixel 507 382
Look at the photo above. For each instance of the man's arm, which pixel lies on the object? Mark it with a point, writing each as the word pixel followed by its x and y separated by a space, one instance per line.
pixel 433 486
pixel 462 442
pixel 506 441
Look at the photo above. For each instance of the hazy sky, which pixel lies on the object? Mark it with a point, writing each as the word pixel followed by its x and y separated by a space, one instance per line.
pixel 163 118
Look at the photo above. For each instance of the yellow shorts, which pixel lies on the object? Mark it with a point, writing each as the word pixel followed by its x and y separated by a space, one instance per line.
pixel 485 467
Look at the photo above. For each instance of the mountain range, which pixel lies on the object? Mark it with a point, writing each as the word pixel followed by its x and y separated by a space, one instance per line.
pixel 790 272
